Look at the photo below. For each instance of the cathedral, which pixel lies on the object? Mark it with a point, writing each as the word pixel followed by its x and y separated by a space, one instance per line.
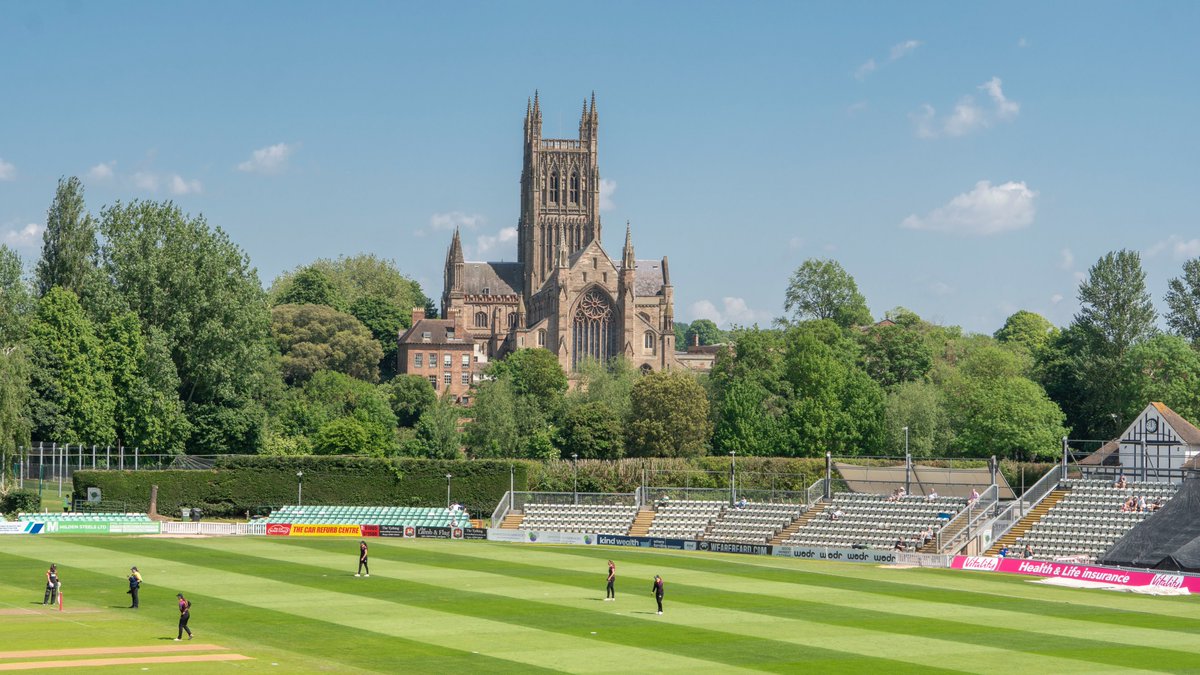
pixel 564 293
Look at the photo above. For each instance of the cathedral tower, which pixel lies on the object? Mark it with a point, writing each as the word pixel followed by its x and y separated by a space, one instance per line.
pixel 560 191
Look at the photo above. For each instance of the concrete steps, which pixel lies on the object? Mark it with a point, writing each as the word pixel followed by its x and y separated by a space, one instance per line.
pixel 512 521
pixel 812 512
pixel 1026 523
pixel 641 523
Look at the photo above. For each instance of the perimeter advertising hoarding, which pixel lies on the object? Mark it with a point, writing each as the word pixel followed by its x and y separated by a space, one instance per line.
pixel 433 532
pixel 862 555
pixel 540 537
pixel 645 542
pixel 20 528
pixel 1106 575
pixel 99 527
pixel 728 547
pixel 323 530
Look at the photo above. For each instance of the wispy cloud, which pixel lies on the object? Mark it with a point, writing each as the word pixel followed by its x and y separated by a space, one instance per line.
pixel 486 243
pixel 1178 248
pixel 941 288
pixel 987 209
pixel 733 311
pixel 967 116
pixel 26 237
pixel 149 181
pixel 7 170
pixel 897 52
pixel 456 219
pixel 1056 298
pixel 271 159
pixel 1066 259
pixel 103 171
pixel 1022 43
pixel 856 108
pixel 145 180
pixel 607 189
pixel 179 185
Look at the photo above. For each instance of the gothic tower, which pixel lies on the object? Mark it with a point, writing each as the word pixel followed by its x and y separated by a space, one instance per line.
pixel 560 191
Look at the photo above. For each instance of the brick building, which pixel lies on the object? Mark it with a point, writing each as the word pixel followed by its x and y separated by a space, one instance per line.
pixel 442 351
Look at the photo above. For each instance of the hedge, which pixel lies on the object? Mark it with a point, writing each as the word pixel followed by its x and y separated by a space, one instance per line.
pixel 247 483
pixel 18 501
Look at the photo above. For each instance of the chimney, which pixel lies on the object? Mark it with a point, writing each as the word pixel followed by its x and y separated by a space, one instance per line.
pixel 695 339
pixel 418 315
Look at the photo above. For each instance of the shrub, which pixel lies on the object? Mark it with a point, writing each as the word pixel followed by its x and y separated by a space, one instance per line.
pixel 18 501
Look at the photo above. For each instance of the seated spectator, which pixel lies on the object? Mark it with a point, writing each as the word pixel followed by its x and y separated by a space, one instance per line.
pixel 1141 503
pixel 1156 504
pixel 1028 550
pixel 974 497
pixel 837 513
pixel 1003 552
pixel 932 495
pixel 741 504
pixel 900 545
pixel 1121 482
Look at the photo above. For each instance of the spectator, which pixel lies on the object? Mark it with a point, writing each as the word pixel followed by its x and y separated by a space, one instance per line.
pixel 932 495
pixel 1121 482
pixel 1156 504
pixel 900 545
pixel 1028 550
pixel 741 504
pixel 1003 552
pixel 837 513
pixel 1141 503
pixel 974 497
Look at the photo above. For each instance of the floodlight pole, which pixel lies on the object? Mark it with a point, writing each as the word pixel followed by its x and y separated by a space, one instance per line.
pixel 575 472
pixel 299 488
pixel 907 465
pixel 448 491
pixel 732 477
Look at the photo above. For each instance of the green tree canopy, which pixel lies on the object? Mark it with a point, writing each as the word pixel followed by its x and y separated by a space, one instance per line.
pixel 822 289
pixel 361 276
pixel 592 430
pixel 318 337
pixel 328 396
pixel 16 422
pixel 311 286
pixel 669 417
pixel 896 354
pixel 535 372
pixel 148 414
pixel 385 321
pixel 1164 368
pixel 16 302
pixel 1116 311
pixel 705 330
pixel 493 429
pixel 920 407
pixel 68 243
pixel 1183 302
pixel 1028 330
pixel 410 396
pixel 437 435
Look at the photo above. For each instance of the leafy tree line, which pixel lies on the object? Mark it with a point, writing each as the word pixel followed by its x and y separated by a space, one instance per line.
pixel 146 326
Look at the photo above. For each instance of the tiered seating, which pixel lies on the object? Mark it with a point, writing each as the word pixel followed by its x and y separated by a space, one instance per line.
pixel 596 518
pixel 85 517
pixel 1089 520
pixel 753 523
pixel 874 522
pixel 367 515
pixel 684 519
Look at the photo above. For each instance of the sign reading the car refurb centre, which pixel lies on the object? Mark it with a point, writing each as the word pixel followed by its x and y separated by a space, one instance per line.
pixel 330 530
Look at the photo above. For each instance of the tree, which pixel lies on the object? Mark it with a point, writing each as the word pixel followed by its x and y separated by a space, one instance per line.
pixel 706 331
pixel 492 431
pixel 437 434
pixel 535 372
pixel 920 407
pixel 1028 330
pixel 385 321
pixel 1183 302
pixel 669 418
pixel 311 286
pixel 1164 368
pixel 896 354
pixel 73 399
pixel 410 396
pixel 681 335
pixel 592 430
pixel 345 436
pixel 359 276
pixel 1116 311
pixel 610 383
pixel 68 243
pixel 189 281
pixel 821 289
pixel 747 422
pixel 148 413
pixel 16 302
pixel 329 396
pixel 318 337
pixel 15 421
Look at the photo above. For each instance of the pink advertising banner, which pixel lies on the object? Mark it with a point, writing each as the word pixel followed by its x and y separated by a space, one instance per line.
pixel 1106 575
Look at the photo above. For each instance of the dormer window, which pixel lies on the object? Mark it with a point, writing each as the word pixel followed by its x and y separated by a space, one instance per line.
pixel 449 333
pixel 426 336
pixel 487 290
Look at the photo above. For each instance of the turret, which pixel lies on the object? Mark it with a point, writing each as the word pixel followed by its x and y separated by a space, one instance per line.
pixel 627 259
pixel 452 286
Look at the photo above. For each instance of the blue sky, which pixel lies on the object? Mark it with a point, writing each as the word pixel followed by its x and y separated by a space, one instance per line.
pixel 964 160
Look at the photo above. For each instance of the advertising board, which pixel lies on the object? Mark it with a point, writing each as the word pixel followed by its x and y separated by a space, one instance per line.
pixel 729 547
pixel 279 529
pixel 1106 575
pixel 539 537
pixel 20 528
pixel 324 530
pixel 863 555
pixel 645 542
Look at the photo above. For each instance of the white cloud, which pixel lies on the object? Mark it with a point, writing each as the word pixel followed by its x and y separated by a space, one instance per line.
pixel 181 186
pixel 865 69
pixel 987 209
pixel 968 115
pixel 941 288
pixel 1177 246
pixel 796 243
pixel 102 171
pixel 1056 298
pixel 271 159
pixel 904 49
pixel 1022 43
pixel 485 243
pixel 607 189
pixel 1066 259
pixel 733 311
pixel 7 170
pixel 456 219
pixel 144 180
pixel 26 237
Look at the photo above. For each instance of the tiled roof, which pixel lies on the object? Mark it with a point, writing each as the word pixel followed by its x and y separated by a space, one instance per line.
pixel 438 330
pixel 647 277
pixel 1185 429
pixel 499 278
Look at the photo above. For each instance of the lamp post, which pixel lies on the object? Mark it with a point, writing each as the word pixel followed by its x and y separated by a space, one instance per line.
pixel 907 464
pixel 575 472
pixel 448 491
pixel 732 477
pixel 299 487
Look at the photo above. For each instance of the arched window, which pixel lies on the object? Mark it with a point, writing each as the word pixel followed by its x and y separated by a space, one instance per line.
pixel 583 191
pixel 648 341
pixel 593 329
pixel 646 369
pixel 554 188
pixel 512 319
pixel 574 188
pixel 545 193
pixel 542 338
pixel 481 319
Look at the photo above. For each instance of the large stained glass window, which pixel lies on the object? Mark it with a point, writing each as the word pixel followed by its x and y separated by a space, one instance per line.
pixel 594 328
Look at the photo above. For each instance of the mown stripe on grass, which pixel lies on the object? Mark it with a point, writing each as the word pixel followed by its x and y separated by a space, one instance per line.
pixel 719 647
pixel 1042 644
pixel 324 640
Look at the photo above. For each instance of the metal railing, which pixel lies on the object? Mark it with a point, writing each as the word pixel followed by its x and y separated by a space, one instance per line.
pixel 966 520
pixel 501 509
pixel 1017 508
pixel 520 499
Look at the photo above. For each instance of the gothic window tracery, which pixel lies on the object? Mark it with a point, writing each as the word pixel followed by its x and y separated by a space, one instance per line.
pixel 594 328
pixel 481 319
pixel 554 188
pixel 574 187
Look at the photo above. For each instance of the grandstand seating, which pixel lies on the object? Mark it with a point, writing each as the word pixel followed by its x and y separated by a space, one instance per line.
pixel 684 519
pixel 1089 520
pixel 367 515
pixel 596 518
pixel 85 517
pixel 873 521
pixel 753 523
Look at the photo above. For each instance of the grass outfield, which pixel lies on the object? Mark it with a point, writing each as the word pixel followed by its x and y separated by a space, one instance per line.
pixel 293 605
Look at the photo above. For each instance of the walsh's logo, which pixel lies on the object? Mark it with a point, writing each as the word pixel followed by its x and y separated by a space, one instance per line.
pixel 1167 581
pixel 587 538
pixel 982 564
pixel 279 529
